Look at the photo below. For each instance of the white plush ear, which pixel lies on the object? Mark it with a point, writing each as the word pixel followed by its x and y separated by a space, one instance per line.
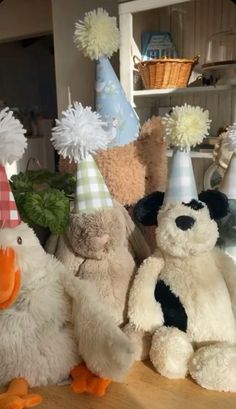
pixel 12 139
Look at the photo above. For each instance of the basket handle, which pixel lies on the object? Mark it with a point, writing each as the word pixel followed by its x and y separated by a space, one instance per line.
pixel 196 59
pixel 136 60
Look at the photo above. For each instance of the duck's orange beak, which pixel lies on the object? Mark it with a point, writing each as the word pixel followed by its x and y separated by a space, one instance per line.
pixel 9 278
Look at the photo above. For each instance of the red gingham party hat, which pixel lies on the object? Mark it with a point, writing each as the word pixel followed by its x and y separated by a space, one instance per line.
pixel 9 216
pixel 12 146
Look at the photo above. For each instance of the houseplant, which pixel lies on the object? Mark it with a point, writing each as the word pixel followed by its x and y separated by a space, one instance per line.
pixel 43 200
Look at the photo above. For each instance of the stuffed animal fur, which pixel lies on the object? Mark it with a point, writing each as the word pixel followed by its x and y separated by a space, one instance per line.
pixel 134 170
pixel 95 248
pixel 42 339
pixel 184 295
pixel 45 332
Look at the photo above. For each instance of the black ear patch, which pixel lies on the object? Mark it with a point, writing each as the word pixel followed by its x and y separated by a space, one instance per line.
pixel 217 203
pixel 146 209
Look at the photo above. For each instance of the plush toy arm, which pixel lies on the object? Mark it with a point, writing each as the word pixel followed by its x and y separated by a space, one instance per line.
pixel 106 350
pixel 143 310
pixel 228 269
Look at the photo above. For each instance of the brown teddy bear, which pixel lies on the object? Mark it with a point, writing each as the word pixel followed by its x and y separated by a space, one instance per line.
pixel 134 170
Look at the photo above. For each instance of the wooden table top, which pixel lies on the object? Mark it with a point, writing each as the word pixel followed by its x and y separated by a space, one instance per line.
pixel 143 389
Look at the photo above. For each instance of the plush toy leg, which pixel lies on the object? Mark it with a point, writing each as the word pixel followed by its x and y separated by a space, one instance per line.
pixel 141 341
pixel 85 381
pixel 170 352
pixel 17 397
pixel 214 367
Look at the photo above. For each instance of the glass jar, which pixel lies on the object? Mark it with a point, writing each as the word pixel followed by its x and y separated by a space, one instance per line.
pixel 221 48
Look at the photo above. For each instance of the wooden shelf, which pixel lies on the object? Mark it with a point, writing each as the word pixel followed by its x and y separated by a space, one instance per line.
pixel 187 90
pixel 135 6
pixel 143 389
pixel 203 154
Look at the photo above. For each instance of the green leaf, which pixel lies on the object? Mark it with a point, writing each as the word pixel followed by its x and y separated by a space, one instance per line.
pixel 48 208
pixel 35 180
pixel 65 182
pixel 21 183
pixel 40 176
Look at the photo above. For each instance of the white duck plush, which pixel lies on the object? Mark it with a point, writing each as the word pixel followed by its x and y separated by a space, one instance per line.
pixel 40 337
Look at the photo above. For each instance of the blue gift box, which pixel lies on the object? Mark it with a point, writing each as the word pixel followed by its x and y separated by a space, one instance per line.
pixel 155 44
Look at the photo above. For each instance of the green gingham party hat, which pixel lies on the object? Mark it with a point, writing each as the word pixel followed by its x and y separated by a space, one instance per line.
pixel 91 191
pixel 78 135
pixel 186 126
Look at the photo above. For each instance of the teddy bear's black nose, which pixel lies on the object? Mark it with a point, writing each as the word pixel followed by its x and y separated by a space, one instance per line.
pixel 184 222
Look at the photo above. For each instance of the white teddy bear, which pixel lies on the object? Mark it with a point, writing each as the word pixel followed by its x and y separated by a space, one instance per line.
pixel 185 293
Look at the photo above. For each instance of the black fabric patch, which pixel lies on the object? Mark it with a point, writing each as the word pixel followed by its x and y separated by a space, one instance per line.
pixel 194 204
pixel 217 203
pixel 146 209
pixel 173 311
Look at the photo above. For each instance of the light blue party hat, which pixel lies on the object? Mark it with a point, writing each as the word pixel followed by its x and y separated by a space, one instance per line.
pixel 181 184
pixel 113 106
pixel 186 126
pixel 98 37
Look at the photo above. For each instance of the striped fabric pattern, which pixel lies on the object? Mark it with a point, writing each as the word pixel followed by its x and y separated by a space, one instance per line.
pixel 228 184
pixel 181 184
pixel 91 192
pixel 9 216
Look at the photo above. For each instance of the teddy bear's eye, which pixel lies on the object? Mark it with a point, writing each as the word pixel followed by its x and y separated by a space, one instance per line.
pixel 19 240
pixel 194 204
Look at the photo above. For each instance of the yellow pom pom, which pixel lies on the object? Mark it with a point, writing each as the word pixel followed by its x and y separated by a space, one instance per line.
pixel 186 126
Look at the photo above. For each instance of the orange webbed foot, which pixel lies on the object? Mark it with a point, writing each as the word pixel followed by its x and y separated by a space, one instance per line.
pixel 17 397
pixel 85 381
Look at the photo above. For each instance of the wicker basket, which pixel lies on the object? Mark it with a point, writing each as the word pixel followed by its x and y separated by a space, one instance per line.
pixel 165 72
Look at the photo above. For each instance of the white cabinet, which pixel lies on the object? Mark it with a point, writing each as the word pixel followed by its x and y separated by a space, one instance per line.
pixel 191 23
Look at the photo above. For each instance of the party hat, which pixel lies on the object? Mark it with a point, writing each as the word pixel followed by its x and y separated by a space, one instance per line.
pixel 91 192
pixel 12 146
pixel 181 184
pixel 228 184
pixel 186 126
pixel 79 134
pixel 98 37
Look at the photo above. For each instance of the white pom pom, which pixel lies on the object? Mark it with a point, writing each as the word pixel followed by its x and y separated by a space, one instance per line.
pixel 230 141
pixel 97 35
pixel 12 139
pixel 186 126
pixel 79 133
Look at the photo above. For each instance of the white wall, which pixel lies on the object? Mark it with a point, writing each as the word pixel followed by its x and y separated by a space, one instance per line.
pixel 24 18
pixel 72 68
